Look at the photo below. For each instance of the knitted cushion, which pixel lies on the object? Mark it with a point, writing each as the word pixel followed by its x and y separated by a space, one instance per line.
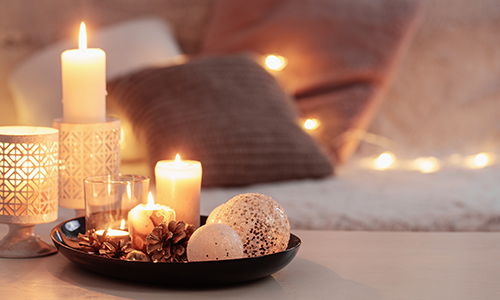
pixel 226 112
pixel 341 54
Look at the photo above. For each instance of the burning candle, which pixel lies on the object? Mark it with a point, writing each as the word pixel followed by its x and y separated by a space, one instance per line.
pixel 84 83
pixel 178 185
pixel 142 219
pixel 115 235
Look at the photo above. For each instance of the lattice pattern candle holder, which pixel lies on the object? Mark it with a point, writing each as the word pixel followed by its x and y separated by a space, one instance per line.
pixel 28 187
pixel 85 150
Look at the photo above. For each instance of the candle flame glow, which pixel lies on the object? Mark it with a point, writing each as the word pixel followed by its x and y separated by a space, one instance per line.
pixel 151 200
pixel 426 164
pixel 384 161
pixel 276 62
pixel 129 190
pixel 82 41
pixel 178 161
pixel 311 124
pixel 109 184
pixel 122 225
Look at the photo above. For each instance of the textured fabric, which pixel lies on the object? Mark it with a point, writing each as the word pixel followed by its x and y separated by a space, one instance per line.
pixel 341 53
pixel 226 112
pixel 454 199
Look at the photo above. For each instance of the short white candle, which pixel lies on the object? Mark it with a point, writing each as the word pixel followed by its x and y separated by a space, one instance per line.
pixel 140 221
pixel 178 185
pixel 115 235
pixel 84 83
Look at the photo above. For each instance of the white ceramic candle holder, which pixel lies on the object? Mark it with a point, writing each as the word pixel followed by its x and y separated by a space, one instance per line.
pixel 85 150
pixel 28 187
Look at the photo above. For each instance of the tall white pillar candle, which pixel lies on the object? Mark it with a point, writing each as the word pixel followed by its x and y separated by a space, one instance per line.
pixel 178 185
pixel 84 83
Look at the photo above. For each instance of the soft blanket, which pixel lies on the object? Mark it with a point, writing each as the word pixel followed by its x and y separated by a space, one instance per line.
pixel 357 198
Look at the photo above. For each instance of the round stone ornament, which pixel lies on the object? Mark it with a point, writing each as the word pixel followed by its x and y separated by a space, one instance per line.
pixel 214 242
pixel 259 220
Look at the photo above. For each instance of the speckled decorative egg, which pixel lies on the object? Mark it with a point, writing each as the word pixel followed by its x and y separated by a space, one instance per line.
pixel 259 220
pixel 214 242
pixel 213 214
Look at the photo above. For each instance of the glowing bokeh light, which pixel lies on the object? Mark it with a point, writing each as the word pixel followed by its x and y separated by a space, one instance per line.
pixel 311 124
pixel 275 62
pixel 426 164
pixel 384 161
pixel 481 159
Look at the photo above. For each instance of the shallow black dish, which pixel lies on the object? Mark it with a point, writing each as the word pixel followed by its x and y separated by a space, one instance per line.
pixel 65 239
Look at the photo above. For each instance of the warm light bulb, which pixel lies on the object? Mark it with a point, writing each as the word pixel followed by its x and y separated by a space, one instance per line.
pixel 82 41
pixel 122 225
pixel 426 164
pixel 384 161
pixel 311 124
pixel 275 62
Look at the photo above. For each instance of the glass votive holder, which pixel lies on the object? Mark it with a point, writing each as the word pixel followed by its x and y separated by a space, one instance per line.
pixel 108 200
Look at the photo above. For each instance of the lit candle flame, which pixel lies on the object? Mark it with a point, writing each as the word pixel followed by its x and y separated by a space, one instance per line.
pixel 178 161
pixel 311 124
pixel 275 62
pixel 151 200
pixel 122 225
pixel 82 41
pixel 384 161
pixel 426 164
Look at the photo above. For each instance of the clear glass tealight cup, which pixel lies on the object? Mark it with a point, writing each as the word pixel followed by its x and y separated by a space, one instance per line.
pixel 108 200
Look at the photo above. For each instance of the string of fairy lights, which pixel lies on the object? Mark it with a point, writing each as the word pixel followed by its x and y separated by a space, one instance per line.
pixel 388 160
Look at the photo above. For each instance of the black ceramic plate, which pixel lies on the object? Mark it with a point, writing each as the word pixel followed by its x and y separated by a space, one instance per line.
pixel 65 239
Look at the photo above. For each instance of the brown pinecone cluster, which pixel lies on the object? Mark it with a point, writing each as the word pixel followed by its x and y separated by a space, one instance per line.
pixel 103 246
pixel 165 243
pixel 168 242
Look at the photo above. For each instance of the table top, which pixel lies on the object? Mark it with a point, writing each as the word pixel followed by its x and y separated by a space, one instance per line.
pixel 329 265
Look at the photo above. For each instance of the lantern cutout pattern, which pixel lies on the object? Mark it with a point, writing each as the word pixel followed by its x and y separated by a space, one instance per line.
pixel 86 149
pixel 28 187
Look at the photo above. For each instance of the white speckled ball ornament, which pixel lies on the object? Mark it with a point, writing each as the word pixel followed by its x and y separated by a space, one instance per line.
pixel 214 242
pixel 259 220
pixel 213 214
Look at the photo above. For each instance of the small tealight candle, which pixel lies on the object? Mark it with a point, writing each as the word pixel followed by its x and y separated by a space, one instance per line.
pixel 114 235
pixel 178 185
pixel 142 219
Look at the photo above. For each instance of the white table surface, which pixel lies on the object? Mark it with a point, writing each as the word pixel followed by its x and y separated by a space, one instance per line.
pixel 329 265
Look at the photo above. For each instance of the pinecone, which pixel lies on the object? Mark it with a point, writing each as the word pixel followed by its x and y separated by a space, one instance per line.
pixel 91 242
pixel 168 242
pixel 103 245
pixel 112 249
